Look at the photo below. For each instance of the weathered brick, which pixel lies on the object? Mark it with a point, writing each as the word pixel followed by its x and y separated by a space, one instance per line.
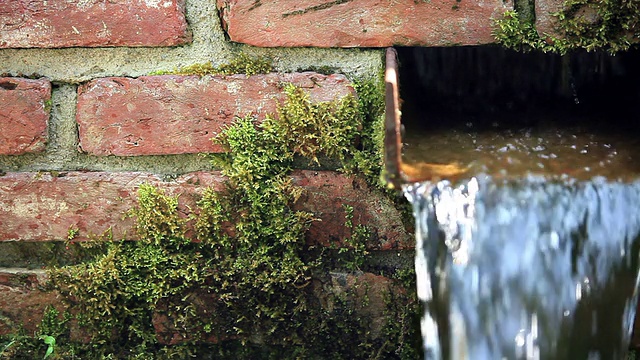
pixel 545 21
pixel 22 301
pixel 24 115
pixel 360 23
pixel 172 114
pixel 43 207
pixel 326 195
pixel 369 291
pixel 548 25
pixel 53 24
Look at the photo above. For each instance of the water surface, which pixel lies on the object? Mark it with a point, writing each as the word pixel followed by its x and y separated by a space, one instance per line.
pixel 554 145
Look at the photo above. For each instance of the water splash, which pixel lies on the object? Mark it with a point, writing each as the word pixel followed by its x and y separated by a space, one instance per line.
pixel 526 269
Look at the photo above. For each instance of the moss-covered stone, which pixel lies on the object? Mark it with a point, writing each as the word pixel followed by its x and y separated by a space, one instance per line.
pixel 610 25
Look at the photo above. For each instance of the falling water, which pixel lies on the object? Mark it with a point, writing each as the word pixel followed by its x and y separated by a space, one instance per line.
pixel 526 268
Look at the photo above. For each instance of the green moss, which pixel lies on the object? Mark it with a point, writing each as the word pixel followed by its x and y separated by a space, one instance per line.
pixel 118 291
pixel 609 25
pixel 367 159
pixel 54 327
pixel 240 64
pixel 72 232
pixel 310 129
pixel 519 34
pixel 251 265
pixel 47 105
pixel 354 246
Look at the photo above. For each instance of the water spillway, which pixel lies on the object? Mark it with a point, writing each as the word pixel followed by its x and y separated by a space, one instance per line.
pixel 526 201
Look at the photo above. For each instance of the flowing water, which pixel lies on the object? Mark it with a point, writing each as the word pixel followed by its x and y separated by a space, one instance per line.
pixel 535 254
pixel 526 269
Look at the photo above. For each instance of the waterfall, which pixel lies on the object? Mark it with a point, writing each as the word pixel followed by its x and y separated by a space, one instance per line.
pixel 526 269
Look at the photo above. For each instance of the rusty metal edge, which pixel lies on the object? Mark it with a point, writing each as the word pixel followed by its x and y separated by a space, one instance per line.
pixel 392 137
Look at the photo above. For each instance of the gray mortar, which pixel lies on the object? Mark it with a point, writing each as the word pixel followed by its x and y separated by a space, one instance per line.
pixel 526 9
pixel 70 66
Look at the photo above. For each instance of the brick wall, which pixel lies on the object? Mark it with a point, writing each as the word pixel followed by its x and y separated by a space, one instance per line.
pixel 83 123
pixel 79 103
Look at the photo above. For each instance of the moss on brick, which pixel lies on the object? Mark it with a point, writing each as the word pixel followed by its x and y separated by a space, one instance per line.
pixel 611 25
pixel 240 64
pixel 251 282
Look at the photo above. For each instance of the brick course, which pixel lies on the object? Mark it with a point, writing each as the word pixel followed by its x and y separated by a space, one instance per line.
pixel 170 114
pixel 24 115
pixel 44 206
pixel 54 24
pixel 23 301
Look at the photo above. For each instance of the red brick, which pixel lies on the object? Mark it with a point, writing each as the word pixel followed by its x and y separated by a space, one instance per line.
pixel 42 207
pixel 53 24
pixel 360 23
pixel 545 22
pixel 325 195
pixel 21 300
pixel 23 115
pixel 172 114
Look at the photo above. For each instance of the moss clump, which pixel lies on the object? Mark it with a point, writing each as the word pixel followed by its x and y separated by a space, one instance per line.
pixel 311 129
pixel 354 245
pixel 117 292
pixel 611 25
pixel 240 64
pixel 367 159
pixel 48 104
pixel 513 32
